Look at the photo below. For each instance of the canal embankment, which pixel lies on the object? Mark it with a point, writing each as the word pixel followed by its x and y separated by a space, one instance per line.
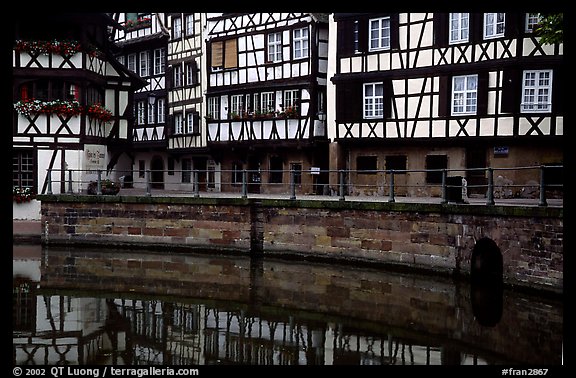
pixel 431 237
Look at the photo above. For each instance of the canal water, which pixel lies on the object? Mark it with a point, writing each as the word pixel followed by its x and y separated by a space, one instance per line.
pixel 87 306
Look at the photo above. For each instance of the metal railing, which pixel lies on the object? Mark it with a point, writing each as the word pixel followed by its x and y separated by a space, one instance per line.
pixel 303 182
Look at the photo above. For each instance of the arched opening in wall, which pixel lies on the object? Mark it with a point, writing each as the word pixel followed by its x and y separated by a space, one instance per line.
pixel 486 287
pixel 486 262
pixel 157 172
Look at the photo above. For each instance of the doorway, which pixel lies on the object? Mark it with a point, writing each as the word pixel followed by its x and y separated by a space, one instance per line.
pixel 157 173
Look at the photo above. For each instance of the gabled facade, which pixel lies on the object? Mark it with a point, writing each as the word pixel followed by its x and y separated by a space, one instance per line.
pixel 142 44
pixel 72 100
pixel 443 90
pixel 186 78
pixel 266 97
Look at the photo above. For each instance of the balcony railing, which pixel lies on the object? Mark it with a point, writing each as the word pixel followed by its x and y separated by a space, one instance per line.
pixel 385 185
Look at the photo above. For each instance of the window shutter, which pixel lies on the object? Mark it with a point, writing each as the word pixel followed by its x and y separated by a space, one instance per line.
pixel 169 77
pixel 476 24
pixel 349 100
pixel 388 98
pixel 216 57
pixel 230 54
pixel 363 40
pixel 394 31
pixel 558 90
pixel 511 91
pixel 441 25
pixel 445 96
pixel 346 37
pixel 514 26
pixel 195 122
pixel 195 70
pixel 482 95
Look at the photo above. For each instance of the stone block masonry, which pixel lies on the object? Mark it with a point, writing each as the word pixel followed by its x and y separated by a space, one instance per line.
pixel 437 238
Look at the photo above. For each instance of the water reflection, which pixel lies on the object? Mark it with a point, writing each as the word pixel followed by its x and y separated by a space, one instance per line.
pixel 118 307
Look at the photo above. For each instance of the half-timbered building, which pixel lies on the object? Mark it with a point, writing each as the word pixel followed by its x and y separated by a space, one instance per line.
pixel 72 101
pixel 416 91
pixel 266 98
pixel 186 78
pixel 143 43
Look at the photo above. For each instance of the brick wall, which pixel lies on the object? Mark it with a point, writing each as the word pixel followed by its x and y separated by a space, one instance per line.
pixel 430 237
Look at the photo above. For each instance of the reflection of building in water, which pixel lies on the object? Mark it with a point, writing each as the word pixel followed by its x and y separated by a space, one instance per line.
pixel 62 329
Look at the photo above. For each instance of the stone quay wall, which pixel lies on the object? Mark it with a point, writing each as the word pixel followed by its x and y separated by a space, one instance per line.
pixel 425 237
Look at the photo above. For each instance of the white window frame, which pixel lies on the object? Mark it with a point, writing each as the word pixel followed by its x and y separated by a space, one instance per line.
pixel 159 61
pixel 160 109
pixel 178 123
pixel 177 76
pixel 381 27
pixel 536 91
pixel 177 27
pixel 214 107
pixel 532 19
pixel 300 43
pixel 274 47
pixel 460 24
pixel 464 101
pixel 494 25
pixel 189 74
pixel 131 62
pixel 373 103
pixel 189 122
pixel 291 98
pixel 151 117
pixel 141 112
pixel 189 22
pixel 237 105
pixel 144 63
pixel 267 103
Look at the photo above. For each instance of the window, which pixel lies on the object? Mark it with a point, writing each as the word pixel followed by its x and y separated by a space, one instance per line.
pixel 379 33
pixel 186 170
pixel 464 94
pixel 122 60
pixel 213 108
pixel 435 164
pixel 132 62
pixel 373 100
pixel 532 20
pixel 397 163
pixel 178 123
pixel 297 169
pixel 237 106
pixel 291 100
pixel 274 47
pixel 300 43
pixel 276 167
pixel 537 91
pixel 23 169
pixel 141 113
pixel 459 27
pixel 365 164
pixel 177 75
pixel 160 109
pixel 494 25
pixel 177 28
pixel 144 63
pixel 224 54
pixel 141 168
pixel 267 102
pixel 189 20
pixel 189 122
pixel 191 73
pixel 159 61
pixel 150 113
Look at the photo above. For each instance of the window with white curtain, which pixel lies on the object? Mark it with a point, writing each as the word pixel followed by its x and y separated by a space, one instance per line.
pixel 464 94
pixel 494 25
pixel 459 28
pixel 373 100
